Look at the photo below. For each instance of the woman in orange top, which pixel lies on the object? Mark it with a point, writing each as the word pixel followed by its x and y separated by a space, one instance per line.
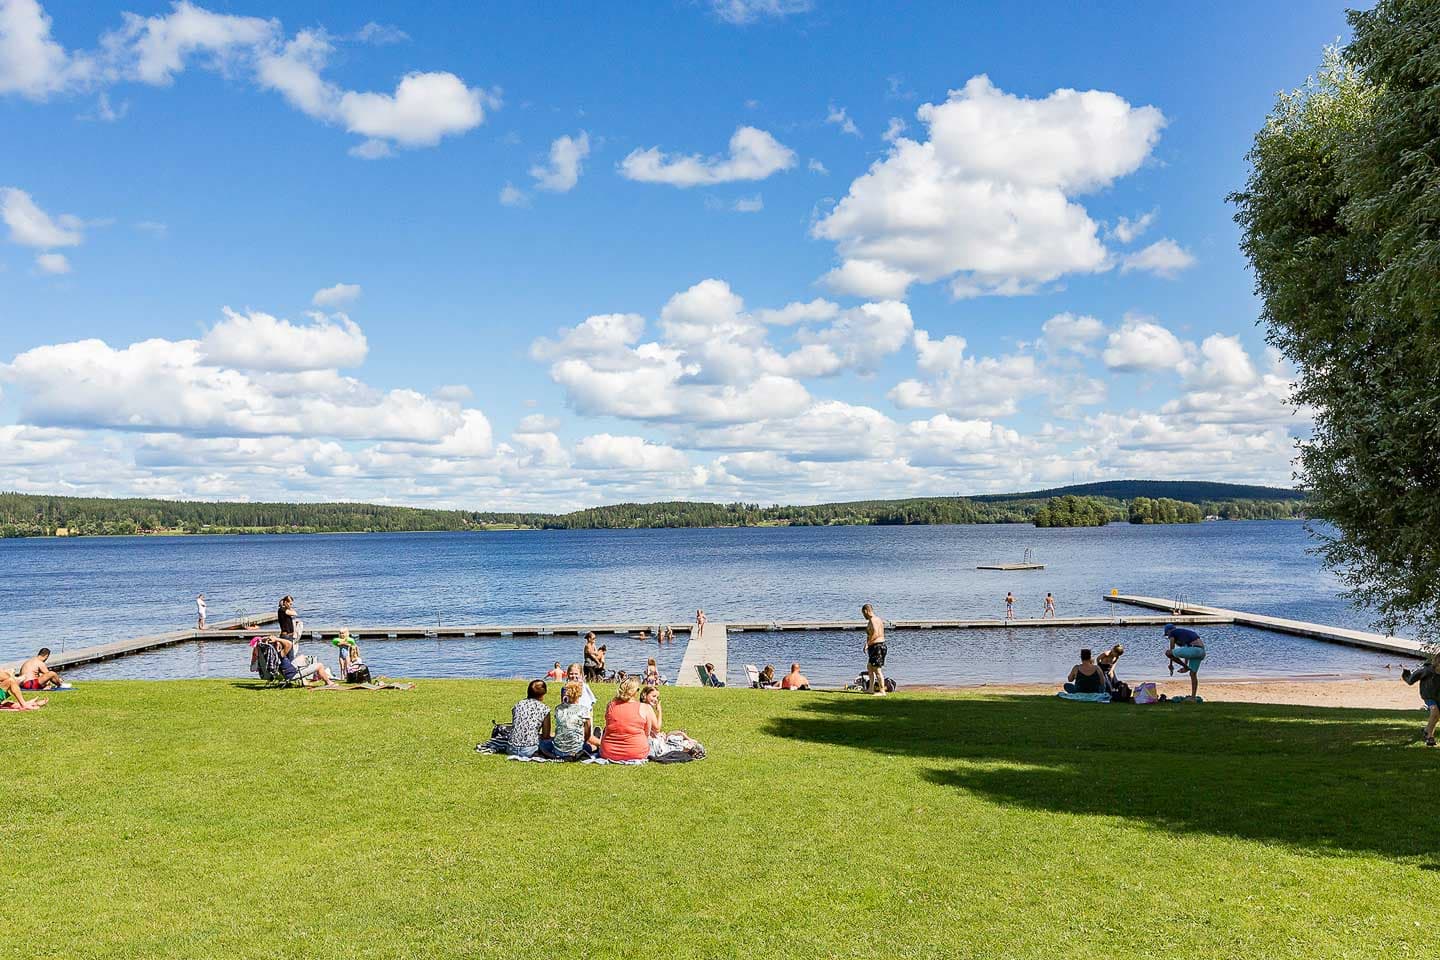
pixel 629 725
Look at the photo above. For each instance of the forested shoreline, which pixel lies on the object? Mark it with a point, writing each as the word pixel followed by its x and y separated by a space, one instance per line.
pixel 31 515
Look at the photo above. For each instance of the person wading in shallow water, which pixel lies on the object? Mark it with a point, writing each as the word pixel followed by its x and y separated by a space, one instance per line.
pixel 875 651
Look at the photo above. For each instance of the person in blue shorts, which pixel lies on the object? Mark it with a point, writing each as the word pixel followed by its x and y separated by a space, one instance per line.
pixel 1428 677
pixel 1187 650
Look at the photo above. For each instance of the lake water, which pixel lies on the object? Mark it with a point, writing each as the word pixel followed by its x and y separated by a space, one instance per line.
pixel 68 593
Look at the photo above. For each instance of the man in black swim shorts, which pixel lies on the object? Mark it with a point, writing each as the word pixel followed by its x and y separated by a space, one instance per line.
pixel 874 651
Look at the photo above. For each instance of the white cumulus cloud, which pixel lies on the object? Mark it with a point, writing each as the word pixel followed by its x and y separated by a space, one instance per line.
pixel 987 201
pixel 1142 344
pixel 259 341
pixel 562 172
pixel 338 295
pixel 754 155
pixel 1164 258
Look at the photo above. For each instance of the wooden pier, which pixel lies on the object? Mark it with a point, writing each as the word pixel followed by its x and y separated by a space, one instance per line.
pixel 1299 628
pixel 154 641
pixel 711 645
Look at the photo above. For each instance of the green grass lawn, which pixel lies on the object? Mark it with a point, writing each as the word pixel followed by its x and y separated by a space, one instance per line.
pixel 213 819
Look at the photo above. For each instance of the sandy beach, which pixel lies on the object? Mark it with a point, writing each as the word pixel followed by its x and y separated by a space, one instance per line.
pixel 1377 692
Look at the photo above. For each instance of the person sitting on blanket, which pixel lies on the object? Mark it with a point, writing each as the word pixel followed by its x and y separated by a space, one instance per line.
pixel 629 725
pixel 530 722
pixel 795 680
pixel 573 735
pixel 1085 676
pixel 35 673
pixel 1107 660
pixel 652 672
pixel 11 697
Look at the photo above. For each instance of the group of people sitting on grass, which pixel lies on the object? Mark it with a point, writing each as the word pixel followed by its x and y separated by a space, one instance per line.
pixel 633 727
pixel 35 676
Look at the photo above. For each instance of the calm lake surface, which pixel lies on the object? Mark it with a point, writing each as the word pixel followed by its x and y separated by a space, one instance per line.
pixel 68 593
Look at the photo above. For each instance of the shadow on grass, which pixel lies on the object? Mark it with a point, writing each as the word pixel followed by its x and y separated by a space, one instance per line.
pixel 1328 780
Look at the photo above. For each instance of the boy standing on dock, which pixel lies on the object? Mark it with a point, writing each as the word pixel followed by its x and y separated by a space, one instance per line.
pixel 875 650
pixel 200 612
pixel 1009 605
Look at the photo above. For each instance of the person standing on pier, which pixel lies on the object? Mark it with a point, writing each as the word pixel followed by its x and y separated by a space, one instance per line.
pixel 1009 605
pixel 699 622
pixel 200 612
pixel 875 651
pixel 1049 605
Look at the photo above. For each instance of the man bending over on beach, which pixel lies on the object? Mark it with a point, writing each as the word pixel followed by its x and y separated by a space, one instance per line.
pixel 1187 650
pixel 1428 677
pixel 874 651
pixel 35 673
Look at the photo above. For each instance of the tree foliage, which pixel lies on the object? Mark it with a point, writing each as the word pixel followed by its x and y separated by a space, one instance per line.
pixel 1072 511
pixel 1164 510
pixel 1341 222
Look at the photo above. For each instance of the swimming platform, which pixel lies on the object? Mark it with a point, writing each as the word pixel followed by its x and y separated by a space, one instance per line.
pixel 712 646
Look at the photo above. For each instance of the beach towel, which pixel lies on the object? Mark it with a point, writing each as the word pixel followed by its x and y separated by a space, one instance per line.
pixel 1085 697
pixel 381 684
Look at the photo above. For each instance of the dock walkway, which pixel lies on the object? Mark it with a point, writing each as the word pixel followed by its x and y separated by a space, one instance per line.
pixel 711 645
pixel 154 641
pixel 1299 628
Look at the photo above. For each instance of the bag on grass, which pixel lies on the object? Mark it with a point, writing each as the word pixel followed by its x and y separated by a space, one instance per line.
pixel 1146 693
pixel 1120 692
pixel 500 732
pixel 359 673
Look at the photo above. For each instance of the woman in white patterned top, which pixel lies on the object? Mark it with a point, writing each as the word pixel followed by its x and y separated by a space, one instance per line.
pixel 571 721
pixel 530 721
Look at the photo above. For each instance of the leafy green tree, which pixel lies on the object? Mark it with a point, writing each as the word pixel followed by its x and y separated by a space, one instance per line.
pixel 1341 222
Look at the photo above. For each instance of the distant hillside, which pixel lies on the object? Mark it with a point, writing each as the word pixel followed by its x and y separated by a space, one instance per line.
pixel 1192 491
pixel 29 515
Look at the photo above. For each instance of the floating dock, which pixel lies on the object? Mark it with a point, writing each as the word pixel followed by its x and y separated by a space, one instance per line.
pixel 154 641
pixel 711 645
pixel 1010 566
pixel 1299 628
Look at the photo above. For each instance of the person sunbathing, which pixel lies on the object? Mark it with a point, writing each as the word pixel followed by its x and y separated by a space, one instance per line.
pixel 1085 676
pixel 11 696
pixel 35 673
pixel 795 680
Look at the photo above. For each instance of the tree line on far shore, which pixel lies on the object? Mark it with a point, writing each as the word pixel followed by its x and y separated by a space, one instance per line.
pixel 28 515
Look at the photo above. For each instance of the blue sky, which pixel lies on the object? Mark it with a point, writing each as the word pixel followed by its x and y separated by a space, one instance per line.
pixel 1043 182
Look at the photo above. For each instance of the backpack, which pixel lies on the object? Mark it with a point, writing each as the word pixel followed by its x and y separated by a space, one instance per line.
pixel 359 673
pixel 267 663
pixel 1120 692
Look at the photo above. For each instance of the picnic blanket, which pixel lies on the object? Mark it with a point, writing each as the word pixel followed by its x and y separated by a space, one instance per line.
pixel 380 684
pixel 1085 697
